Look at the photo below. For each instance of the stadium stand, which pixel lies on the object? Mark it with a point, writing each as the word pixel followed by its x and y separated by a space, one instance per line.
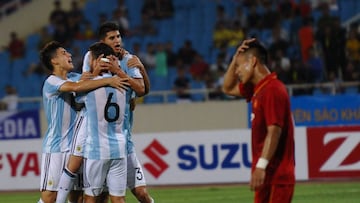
pixel 195 21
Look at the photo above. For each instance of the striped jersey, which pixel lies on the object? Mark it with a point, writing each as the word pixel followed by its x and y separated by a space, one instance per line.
pixel 105 119
pixel 132 72
pixel 60 116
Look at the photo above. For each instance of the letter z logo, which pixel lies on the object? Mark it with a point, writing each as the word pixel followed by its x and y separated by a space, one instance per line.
pixel 334 152
pixel 154 152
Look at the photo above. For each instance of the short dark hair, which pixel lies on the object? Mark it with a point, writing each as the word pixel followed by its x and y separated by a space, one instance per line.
pixel 258 50
pixel 48 52
pixel 107 27
pixel 99 48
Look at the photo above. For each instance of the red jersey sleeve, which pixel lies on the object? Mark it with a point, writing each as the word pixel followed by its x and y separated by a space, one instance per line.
pixel 275 103
pixel 246 90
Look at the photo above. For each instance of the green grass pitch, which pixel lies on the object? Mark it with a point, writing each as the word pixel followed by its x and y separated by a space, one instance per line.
pixel 338 192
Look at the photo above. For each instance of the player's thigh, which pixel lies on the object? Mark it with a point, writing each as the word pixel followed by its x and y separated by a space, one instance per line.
pixel 116 178
pixel 79 138
pixel 279 193
pixel 52 165
pixel 135 174
pixel 95 172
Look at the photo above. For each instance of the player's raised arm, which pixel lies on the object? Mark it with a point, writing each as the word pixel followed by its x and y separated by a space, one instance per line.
pixel 136 84
pixel 135 62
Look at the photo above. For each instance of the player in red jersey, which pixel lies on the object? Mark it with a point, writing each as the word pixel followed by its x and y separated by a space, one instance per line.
pixel 273 175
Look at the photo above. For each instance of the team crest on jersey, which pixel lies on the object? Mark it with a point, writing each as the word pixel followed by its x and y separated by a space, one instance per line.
pixel 255 104
pixel 252 116
pixel 78 148
pixel 50 182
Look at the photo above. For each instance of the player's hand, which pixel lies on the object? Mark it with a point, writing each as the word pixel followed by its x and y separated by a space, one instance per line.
pixel 86 76
pixel 244 45
pixel 113 65
pixel 119 83
pixel 257 179
pixel 99 66
pixel 135 62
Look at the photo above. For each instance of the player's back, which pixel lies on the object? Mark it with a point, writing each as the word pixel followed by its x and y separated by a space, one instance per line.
pixel 105 109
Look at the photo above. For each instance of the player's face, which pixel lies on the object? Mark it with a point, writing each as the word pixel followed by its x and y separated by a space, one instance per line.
pixel 63 59
pixel 113 39
pixel 244 67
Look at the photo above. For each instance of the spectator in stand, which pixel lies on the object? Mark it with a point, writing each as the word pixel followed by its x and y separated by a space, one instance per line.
pixel 222 17
pixel 186 53
pixel 10 101
pixel 325 20
pixel 182 83
pixel 199 69
pixel 45 37
pixel 315 66
pixel 137 51
pixel 306 38
pixel 171 56
pixel 161 68
pixel 254 20
pixel 165 9
pixel 270 16
pixel 146 27
pixel 75 19
pixel 240 17
pixel 120 16
pixel 352 71
pixel 305 8
pixel 149 57
pixel 62 35
pixel 237 34
pixel 16 46
pixel 281 65
pixel 278 42
pixel 58 15
pixel 88 31
pixel 353 47
pixel 221 35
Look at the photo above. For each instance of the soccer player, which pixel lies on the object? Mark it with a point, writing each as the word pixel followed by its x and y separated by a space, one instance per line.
pixel 273 176
pixel 61 113
pixel 127 66
pixel 130 66
pixel 105 148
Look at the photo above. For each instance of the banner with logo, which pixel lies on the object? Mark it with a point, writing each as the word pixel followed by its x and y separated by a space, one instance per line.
pixel 334 152
pixel 202 157
pixel 315 111
pixel 19 125
pixel 20 164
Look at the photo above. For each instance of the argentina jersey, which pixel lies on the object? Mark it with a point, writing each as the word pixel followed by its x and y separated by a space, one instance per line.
pixel 60 116
pixel 105 118
pixel 132 72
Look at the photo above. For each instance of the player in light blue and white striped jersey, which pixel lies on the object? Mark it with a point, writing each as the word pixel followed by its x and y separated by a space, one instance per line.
pixel 60 113
pixel 105 148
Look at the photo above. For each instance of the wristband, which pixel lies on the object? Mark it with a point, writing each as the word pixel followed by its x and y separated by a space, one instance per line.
pixel 262 163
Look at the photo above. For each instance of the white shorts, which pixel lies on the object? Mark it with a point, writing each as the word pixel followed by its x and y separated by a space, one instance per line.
pixel 52 165
pixel 111 170
pixel 78 142
pixel 135 174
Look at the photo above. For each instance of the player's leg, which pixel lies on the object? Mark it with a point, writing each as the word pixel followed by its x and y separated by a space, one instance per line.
pixel 281 193
pixel 51 167
pixel 95 172
pixel 116 180
pixel 136 180
pixel 70 172
pixel 68 177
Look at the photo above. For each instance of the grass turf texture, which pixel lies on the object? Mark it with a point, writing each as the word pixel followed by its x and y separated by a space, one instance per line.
pixel 344 192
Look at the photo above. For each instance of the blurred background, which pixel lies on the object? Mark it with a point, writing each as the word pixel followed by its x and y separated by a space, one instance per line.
pixel 186 45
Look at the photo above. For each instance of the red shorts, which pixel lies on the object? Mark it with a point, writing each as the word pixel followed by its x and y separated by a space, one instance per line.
pixel 274 194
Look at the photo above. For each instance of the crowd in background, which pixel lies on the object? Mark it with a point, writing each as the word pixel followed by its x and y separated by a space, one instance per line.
pixel 303 47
